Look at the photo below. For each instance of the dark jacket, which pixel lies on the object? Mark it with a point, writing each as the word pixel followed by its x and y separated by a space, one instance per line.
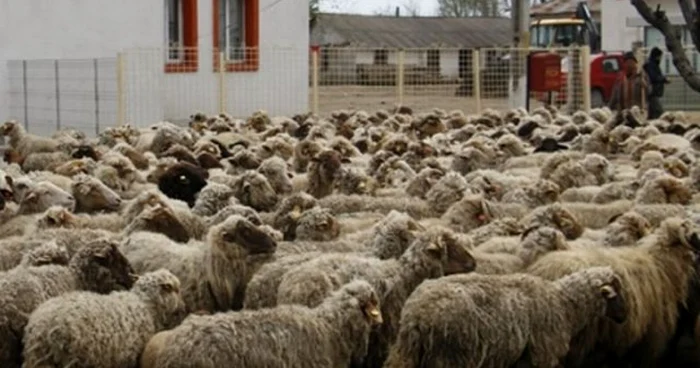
pixel 656 79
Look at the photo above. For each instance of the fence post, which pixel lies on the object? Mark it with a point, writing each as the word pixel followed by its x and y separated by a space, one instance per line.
pixel 58 95
pixel 400 75
pixel 586 77
pixel 476 79
pixel 24 92
pixel 314 81
pixel 222 82
pixel 95 66
pixel 121 103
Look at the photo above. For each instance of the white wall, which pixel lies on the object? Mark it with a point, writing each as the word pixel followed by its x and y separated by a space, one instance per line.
pixel 48 29
pixel 78 29
pixel 622 24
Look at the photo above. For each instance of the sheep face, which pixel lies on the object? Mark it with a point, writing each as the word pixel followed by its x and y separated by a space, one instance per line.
pixel 317 224
pixel 12 156
pixel 102 267
pixel 161 219
pixel 72 168
pixel 10 127
pixel 40 197
pixel 93 195
pixel 252 189
pixel 85 151
pixel 367 300
pixel 183 181
pixel 245 237
pixel 275 170
pixel 162 289
pixel 55 217
pixel 453 256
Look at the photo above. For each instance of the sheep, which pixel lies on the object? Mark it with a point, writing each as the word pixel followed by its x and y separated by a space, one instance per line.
pixel 388 239
pixel 40 161
pixel 448 190
pixel 557 216
pixel 254 190
pixel 47 254
pixel 214 275
pixel 664 189
pixel 183 181
pixel 474 211
pixel 304 151
pixel 419 185
pixel 354 181
pixel 431 255
pixel 121 324
pixel 92 195
pixel 540 193
pixel 626 229
pixel 334 334
pixel 137 158
pixel 40 196
pixel 317 224
pixel 502 321
pixel 322 172
pixel 98 267
pixel 534 243
pixel 655 276
pixel 213 198
pixel 275 170
pixel 159 219
pixel 25 143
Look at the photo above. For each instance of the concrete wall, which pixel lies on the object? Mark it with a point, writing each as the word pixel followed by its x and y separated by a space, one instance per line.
pixel 86 29
pixel 67 29
pixel 622 24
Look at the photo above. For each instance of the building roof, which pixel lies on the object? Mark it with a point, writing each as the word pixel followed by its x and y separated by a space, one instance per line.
pixel 552 7
pixel 410 32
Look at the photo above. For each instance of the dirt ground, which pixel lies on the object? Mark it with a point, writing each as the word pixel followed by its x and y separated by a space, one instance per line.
pixel 419 97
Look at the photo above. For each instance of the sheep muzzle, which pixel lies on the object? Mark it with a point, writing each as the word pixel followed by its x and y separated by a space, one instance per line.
pixel 373 314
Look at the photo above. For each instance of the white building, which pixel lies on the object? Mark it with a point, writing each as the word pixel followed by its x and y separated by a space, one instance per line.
pixel 265 42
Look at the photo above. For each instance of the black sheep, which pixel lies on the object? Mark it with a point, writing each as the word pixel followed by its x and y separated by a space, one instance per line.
pixel 183 181
pixel 85 151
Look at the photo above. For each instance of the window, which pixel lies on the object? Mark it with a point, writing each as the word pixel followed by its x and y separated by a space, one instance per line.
pixel 611 65
pixel 236 34
pixel 181 36
pixel 381 57
pixel 433 61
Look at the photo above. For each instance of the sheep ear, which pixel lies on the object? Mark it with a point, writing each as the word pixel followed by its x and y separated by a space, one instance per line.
pixel 30 196
pixel 435 249
pixel 614 218
pixel 608 292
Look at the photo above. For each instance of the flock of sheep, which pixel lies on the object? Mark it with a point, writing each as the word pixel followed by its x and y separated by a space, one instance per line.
pixel 392 239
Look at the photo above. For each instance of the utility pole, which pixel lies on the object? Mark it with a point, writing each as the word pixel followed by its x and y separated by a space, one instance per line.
pixel 521 41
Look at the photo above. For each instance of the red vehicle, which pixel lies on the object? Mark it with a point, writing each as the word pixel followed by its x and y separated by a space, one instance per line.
pixel 605 68
pixel 579 29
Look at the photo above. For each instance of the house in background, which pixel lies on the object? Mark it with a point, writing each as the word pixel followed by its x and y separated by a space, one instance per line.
pixel 265 43
pixel 554 9
pixel 434 47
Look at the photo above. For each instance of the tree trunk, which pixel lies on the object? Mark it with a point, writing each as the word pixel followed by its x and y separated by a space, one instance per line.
pixel 658 19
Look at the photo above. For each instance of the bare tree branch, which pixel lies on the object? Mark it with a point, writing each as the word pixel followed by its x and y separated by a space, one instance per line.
pixel 691 19
pixel 659 20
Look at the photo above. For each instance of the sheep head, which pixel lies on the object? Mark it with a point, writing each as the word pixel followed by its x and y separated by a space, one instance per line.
pixel 253 189
pixel 444 248
pixel 679 232
pixel 162 289
pixel 102 268
pixel 85 151
pixel 237 237
pixel 161 219
pixel 366 298
pixel 46 254
pixel 183 181
pixel 317 224
pixel 42 195
pixel 93 195
pixel 12 156
pixel 56 216
pixel 10 128
pixel 609 286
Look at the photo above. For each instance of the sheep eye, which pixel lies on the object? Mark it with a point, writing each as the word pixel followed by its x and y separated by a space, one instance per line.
pixel 51 221
pixel 167 288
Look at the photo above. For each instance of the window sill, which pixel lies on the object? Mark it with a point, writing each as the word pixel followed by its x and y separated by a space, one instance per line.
pixel 250 64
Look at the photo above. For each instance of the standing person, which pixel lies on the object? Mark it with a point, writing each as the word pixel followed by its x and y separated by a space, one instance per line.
pixel 630 87
pixel 657 80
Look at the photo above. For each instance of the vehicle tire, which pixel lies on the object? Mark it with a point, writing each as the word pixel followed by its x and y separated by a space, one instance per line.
pixel 597 98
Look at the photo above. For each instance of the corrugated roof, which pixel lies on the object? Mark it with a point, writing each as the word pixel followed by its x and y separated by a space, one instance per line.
pixel 562 7
pixel 410 32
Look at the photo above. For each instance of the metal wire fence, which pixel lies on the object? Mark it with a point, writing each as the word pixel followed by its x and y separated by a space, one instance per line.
pixel 142 86
pixel 677 94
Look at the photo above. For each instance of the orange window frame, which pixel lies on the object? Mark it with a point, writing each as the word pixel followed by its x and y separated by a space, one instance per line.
pixel 251 59
pixel 190 61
